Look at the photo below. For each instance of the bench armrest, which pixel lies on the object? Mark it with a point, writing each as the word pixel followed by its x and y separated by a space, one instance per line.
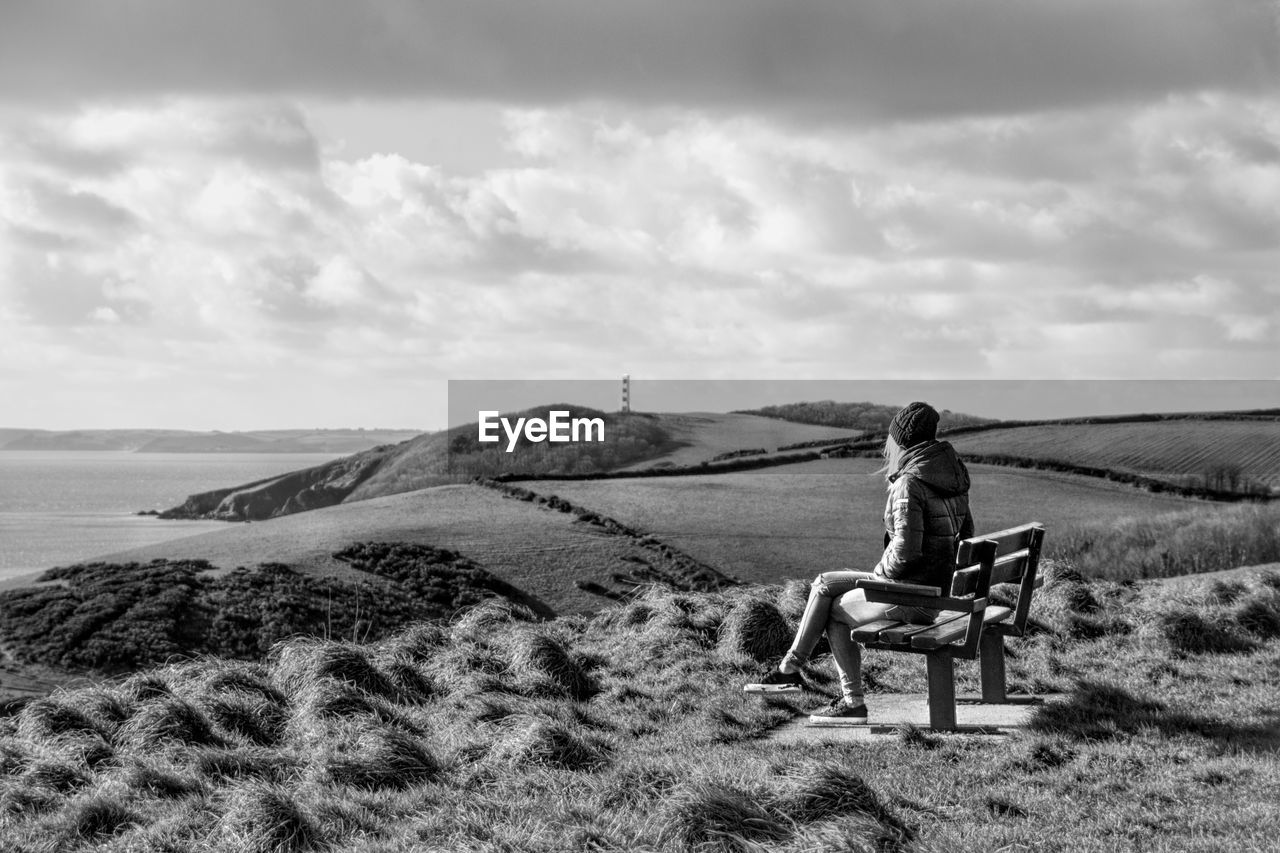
pixel 894 586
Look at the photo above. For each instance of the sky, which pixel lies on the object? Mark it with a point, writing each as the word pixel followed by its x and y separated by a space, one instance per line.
pixel 246 215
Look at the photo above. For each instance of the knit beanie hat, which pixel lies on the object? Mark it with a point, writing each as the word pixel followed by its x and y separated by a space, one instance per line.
pixel 916 422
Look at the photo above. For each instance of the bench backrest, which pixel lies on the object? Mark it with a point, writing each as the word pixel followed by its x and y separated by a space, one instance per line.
pixel 1017 561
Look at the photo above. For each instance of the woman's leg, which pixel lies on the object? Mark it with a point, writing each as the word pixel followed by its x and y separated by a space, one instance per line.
pixel 848 612
pixel 826 588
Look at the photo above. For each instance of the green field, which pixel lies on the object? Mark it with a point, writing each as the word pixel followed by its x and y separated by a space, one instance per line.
pixel 1213 453
pixel 769 525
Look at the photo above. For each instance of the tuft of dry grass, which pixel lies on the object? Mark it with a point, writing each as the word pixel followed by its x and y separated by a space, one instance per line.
pixel 540 657
pixel 826 790
pixel 150 779
pixel 419 643
pixel 533 741
pixel 756 628
pixel 168 722
pixel 1189 631
pixel 218 765
pixel 248 680
pixel 488 617
pixel 711 816
pixel 53 718
pixel 266 818
pixel 56 776
pixel 297 664
pixel 382 758
pixel 95 818
pixel 251 718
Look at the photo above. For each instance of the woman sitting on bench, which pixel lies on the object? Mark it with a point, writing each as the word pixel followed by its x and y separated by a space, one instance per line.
pixel 926 514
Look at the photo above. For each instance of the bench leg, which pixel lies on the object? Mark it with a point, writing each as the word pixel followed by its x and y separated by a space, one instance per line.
pixel 991 663
pixel 942 693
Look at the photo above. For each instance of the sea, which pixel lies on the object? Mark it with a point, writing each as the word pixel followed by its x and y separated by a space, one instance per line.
pixel 64 507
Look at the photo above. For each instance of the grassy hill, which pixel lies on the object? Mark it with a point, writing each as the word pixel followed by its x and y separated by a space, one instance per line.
pixel 1218 453
pixel 628 730
pixel 758 526
pixel 634 440
pixel 547 553
pixel 864 417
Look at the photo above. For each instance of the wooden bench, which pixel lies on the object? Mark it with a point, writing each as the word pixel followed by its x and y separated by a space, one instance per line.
pixel 969 625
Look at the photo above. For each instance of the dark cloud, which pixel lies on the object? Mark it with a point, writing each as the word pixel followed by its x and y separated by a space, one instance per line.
pixel 825 58
pixel 79 210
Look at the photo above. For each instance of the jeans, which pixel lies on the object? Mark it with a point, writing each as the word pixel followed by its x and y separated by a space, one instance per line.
pixel 836 608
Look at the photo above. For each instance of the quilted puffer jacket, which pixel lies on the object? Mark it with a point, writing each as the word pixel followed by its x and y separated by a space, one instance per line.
pixel 926 514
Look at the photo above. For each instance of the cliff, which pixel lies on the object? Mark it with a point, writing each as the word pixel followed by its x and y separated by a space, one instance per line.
pixel 311 488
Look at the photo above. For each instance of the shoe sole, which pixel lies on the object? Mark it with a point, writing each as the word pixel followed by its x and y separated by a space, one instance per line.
pixel 837 721
pixel 771 688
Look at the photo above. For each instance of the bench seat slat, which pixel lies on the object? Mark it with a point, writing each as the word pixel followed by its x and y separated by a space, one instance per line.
pixel 869 632
pixel 904 631
pixel 949 632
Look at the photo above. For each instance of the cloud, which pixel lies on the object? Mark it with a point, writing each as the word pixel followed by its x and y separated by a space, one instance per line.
pixel 227 244
pixel 822 59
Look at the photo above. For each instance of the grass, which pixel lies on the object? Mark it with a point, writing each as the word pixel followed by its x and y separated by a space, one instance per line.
pixel 1193 541
pixel 769 526
pixel 628 730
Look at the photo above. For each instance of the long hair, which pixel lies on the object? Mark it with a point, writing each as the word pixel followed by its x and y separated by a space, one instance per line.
pixel 892 453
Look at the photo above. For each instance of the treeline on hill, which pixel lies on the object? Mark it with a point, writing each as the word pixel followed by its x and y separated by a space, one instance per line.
pixel 116 618
pixel 869 417
pixel 629 438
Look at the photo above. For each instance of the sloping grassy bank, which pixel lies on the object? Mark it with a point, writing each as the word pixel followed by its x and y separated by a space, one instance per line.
pixel 629 731
pixel 1192 541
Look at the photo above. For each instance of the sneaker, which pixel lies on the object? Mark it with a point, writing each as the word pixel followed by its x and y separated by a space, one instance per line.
pixel 776 682
pixel 840 713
